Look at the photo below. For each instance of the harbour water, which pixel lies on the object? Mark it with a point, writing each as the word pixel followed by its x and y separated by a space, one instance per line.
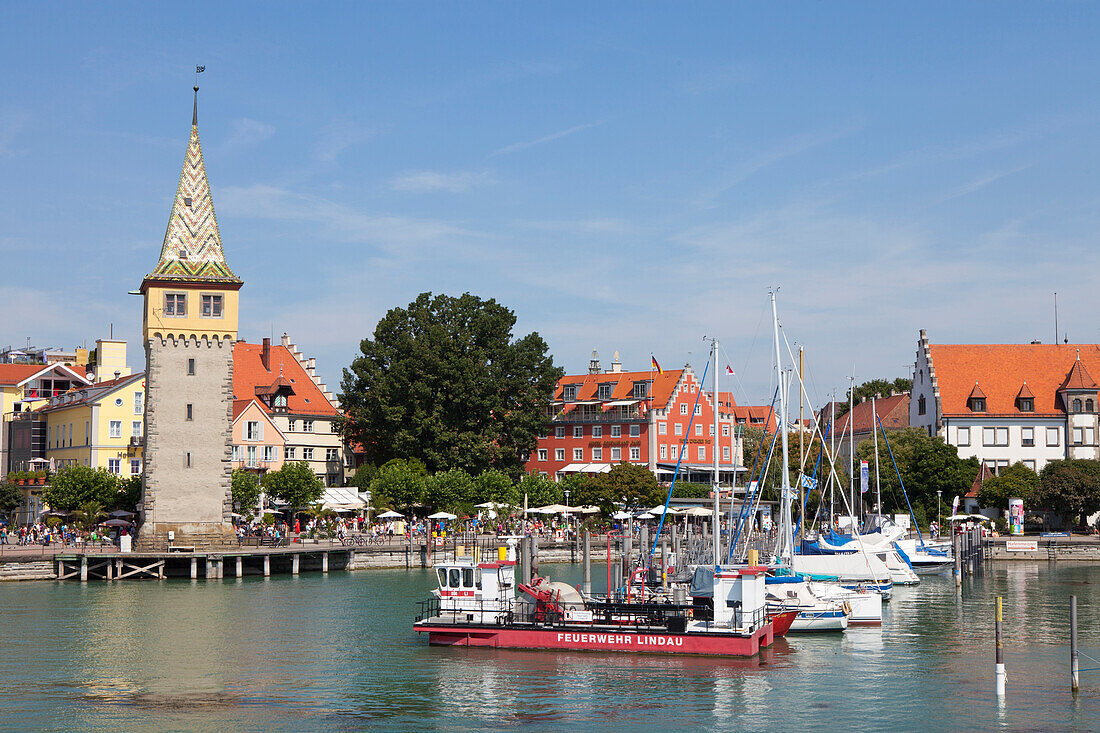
pixel 337 652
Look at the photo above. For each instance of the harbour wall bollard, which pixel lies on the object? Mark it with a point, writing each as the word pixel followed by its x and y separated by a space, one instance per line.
pixel 956 550
pixel 999 668
pixel 1074 680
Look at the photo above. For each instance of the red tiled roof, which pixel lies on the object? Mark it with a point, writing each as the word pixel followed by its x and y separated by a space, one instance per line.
pixel 1079 378
pixel 16 373
pixel 249 374
pixel 663 384
pixel 1002 368
pixel 240 405
pixel 893 411
pixel 1025 392
pixel 976 393
pixel 984 473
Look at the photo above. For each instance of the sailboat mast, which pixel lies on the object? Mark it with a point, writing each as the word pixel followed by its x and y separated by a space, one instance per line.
pixel 832 455
pixel 852 446
pixel 714 446
pixel 801 449
pixel 786 542
pixel 874 431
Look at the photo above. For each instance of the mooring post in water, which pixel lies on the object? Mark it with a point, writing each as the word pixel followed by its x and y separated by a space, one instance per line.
pixel 999 669
pixel 1074 681
pixel 626 561
pixel 664 563
pixel 586 584
pixel 956 547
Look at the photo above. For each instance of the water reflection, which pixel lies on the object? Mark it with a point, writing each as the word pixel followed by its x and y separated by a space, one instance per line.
pixel 318 652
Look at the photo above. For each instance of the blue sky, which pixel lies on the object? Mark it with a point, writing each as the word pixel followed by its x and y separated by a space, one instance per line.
pixel 629 176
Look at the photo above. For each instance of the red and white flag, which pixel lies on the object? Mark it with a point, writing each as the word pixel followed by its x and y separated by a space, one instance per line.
pixel 729 369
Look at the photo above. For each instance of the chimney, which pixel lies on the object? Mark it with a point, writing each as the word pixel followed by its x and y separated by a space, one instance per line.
pixel 265 354
pixel 616 364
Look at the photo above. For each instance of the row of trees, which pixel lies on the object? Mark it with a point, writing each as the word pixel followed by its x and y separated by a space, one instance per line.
pixel 76 486
pixel 404 484
pixel 1069 489
pixel 294 483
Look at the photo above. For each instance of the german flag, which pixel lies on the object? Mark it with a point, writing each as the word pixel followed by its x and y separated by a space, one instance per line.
pixel 655 365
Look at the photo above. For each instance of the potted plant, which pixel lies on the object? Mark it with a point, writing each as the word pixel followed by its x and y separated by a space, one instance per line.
pixel 21 478
pixel 12 476
pixel 41 476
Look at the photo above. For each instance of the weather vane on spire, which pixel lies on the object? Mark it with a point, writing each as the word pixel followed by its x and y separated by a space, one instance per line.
pixel 198 70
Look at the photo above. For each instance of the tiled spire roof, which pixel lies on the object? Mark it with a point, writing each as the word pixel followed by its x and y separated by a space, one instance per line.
pixel 977 392
pixel 1024 392
pixel 192 248
pixel 1079 377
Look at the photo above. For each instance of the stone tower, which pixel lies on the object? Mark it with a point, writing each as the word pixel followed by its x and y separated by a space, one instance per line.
pixel 189 326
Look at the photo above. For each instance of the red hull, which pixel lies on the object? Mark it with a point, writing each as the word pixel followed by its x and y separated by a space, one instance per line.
pixel 782 622
pixel 586 639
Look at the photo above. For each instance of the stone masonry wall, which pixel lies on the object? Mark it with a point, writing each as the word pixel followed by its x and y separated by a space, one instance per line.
pixel 193 501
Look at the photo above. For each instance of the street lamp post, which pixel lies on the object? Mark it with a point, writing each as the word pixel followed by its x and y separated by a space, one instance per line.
pixel 568 517
pixel 938 520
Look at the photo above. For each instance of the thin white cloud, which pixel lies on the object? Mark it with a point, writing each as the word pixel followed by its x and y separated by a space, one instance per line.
pixel 516 147
pixel 393 234
pixel 247 131
pixel 429 181
pixel 339 135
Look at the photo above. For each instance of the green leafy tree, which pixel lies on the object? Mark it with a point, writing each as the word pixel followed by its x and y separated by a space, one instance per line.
pixel 539 490
pixel 493 485
pixel 89 514
pixel 872 387
pixel 625 481
pixel 295 484
pixel 246 491
pixel 363 477
pixel 10 498
pixel 76 485
pixel 444 381
pixel 1069 489
pixel 926 464
pixel 1016 481
pixel 450 490
pixel 129 494
pixel 401 481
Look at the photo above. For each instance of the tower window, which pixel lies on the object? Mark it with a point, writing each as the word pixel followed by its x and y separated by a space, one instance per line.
pixel 187 459
pixel 212 306
pixel 1077 405
pixel 190 367
pixel 921 405
pixel 175 304
pixel 187 201
pixel 190 411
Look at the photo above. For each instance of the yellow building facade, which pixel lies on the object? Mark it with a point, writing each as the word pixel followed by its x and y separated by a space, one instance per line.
pixel 100 426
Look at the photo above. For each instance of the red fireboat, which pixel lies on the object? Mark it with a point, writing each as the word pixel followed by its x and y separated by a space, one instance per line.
pixel 475 604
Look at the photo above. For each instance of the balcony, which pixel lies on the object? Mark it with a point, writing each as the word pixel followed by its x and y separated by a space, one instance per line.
pixel 137 441
pixel 594 413
pixel 258 466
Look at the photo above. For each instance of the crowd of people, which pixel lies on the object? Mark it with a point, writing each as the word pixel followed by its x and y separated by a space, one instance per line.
pixel 66 534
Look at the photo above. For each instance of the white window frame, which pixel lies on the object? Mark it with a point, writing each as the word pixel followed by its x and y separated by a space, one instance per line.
pixel 635 431
pixel 1027 437
pixel 962 436
pixel 664 452
pixel 698 429
pixel 135 466
pixel 616 431
pixel 1053 438
pixel 307 426
pixel 616 453
pixel 307 454
pixel 725 453
pixel 559 454
pixel 251 457
pixel 683 408
pixel 678 428
pixel 1078 436
pixel 114 429
pixel 578 431
pixel 559 431
pixel 597 454
pixel 332 454
pixel 114 465
pixel 701 452
pixel 271 453
pixel 597 431
pixel 135 428
pixel 725 431
pixel 253 430
pixel 542 454
pixel 291 453
pixel 635 453
pixel 662 428
pixel 139 403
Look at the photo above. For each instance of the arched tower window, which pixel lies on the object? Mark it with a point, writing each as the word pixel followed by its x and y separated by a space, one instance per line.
pixel 1076 405
pixel 1089 406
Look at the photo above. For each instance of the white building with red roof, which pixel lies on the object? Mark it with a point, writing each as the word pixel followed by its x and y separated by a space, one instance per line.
pixel 1008 403
pixel 285 385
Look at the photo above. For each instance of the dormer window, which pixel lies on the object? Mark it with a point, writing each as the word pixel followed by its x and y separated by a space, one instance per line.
pixel 1027 404
pixel 977 404
pixel 604 392
pixel 641 390
pixel 569 393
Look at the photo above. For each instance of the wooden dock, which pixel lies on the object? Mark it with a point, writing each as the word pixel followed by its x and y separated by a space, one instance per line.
pixel 206 565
